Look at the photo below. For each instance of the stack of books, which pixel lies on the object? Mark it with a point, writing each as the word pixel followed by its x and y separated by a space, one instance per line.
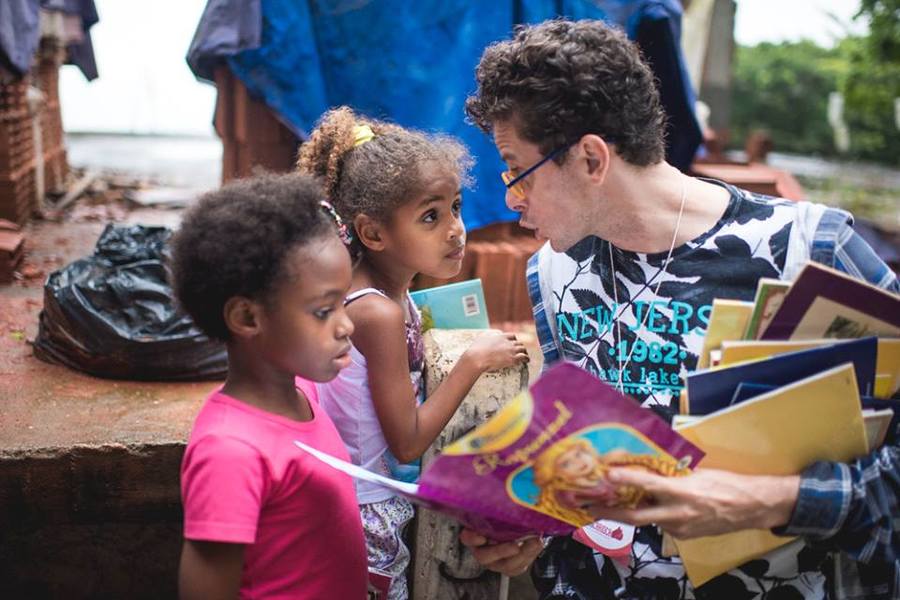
pixel 805 372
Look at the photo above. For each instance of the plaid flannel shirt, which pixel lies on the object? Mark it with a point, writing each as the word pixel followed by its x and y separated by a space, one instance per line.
pixel 853 508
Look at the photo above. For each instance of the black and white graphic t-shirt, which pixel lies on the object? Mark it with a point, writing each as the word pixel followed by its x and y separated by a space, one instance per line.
pixel 630 314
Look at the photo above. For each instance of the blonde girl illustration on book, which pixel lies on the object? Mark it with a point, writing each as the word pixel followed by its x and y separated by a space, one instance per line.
pixel 575 465
pixel 398 191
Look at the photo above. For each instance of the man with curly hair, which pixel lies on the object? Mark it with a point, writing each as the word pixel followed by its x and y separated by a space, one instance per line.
pixel 636 253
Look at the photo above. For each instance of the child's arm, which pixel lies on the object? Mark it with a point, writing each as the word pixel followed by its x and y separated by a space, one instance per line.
pixel 380 335
pixel 210 570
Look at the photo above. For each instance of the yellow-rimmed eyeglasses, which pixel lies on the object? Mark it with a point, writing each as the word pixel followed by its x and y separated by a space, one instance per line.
pixel 514 182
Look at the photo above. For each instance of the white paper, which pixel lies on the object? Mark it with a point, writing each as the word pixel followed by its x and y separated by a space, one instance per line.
pixel 356 472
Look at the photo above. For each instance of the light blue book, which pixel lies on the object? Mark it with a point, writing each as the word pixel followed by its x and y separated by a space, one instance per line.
pixel 453 306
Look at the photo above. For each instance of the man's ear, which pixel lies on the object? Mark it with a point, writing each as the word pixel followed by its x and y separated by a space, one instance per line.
pixel 596 155
pixel 242 316
pixel 369 231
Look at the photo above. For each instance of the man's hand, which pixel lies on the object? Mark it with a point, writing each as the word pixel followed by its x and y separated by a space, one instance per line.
pixel 706 502
pixel 508 558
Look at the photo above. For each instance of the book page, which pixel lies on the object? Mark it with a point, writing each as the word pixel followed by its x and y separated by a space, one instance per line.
pixel 407 489
pixel 829 319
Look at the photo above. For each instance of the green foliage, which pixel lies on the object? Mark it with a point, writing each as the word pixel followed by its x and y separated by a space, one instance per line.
pixel 884 28
pixel 783 89
pixel 872 82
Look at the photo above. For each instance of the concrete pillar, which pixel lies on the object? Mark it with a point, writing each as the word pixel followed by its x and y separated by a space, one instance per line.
pixel 442 567
pixel 715 87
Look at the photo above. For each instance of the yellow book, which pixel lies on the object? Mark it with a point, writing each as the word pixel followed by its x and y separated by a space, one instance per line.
pixel 887 365
pixel 779 433
pixel 727 321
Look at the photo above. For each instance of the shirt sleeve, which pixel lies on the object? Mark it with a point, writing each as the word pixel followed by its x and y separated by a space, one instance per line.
pixel 854 256
pixel 223 483
pixel 542 325
pixel 851 507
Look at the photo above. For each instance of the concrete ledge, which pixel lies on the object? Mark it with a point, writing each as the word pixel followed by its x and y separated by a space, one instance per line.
pixel 91 522
pixel 90 502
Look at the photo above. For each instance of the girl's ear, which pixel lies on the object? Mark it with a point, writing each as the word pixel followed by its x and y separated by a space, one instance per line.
pixel 597 155
pixel 242 316
pixel 369 231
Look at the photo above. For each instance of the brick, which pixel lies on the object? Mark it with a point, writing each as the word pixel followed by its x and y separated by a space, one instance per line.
pixel 253 138
pixel 18 196
pixel 16 143
pixel 492 266
pixel 12 250
pixel 224 116
pixel 13 96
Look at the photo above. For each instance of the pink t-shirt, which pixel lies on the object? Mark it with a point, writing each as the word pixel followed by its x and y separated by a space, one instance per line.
pixel 244 481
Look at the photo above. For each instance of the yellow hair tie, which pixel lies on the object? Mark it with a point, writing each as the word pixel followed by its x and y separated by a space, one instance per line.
pixel 362 134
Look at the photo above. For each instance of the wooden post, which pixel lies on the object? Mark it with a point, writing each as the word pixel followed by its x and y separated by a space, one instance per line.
pixel 442 567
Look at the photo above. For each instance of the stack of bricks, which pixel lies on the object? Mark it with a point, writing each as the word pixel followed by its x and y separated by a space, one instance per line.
pixel 252 137
pixel 53 146
pixel 18 188
pixel 498 255
pixel 32 147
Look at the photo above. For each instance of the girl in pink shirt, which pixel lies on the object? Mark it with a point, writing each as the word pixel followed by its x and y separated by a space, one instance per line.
pixel 258 264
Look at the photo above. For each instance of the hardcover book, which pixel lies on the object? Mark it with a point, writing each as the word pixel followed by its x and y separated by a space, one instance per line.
pixel 825 303
pixel 711 390
pixel 457 305
pixel 727 321
pixel 777 433
pixel 769 295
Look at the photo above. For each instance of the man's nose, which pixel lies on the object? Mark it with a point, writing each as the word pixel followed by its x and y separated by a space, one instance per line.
pixel 513 202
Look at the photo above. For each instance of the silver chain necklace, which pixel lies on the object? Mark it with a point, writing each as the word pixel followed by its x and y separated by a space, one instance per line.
pixel 619 384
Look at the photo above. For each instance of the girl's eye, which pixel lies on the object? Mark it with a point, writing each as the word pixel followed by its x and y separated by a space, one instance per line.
pixel 430 216
pixel 323 313
pixel 457 207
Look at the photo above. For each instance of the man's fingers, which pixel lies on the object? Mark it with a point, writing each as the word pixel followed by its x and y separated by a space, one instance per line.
pixel 493 553
pixel 664 516
pixel 472 539
pixel 517 563
pixel 653 483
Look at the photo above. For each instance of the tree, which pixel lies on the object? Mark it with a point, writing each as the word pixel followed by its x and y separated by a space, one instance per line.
pixel 783 88
pixel 871 83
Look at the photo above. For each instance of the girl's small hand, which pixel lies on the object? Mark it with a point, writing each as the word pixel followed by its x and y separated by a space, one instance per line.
pixel 496 350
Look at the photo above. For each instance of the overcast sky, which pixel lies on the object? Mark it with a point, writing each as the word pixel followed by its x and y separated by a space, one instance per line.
pixel 146 87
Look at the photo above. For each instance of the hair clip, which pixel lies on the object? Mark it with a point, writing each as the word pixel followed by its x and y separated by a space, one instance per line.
pixel 362 134
pixel 343 230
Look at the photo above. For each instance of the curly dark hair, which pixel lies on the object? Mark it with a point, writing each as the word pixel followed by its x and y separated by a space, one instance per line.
pixel 561 79
pixel 379 175
pixel 234 241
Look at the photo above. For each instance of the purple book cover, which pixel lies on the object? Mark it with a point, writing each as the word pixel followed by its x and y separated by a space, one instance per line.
pixel 509 477
pixel 809 308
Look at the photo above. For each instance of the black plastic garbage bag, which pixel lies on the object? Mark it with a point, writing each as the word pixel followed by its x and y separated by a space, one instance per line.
pixel 113 314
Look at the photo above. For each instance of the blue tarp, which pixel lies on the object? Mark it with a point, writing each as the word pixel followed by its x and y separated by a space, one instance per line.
pixel 20 33
pixel 413 63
